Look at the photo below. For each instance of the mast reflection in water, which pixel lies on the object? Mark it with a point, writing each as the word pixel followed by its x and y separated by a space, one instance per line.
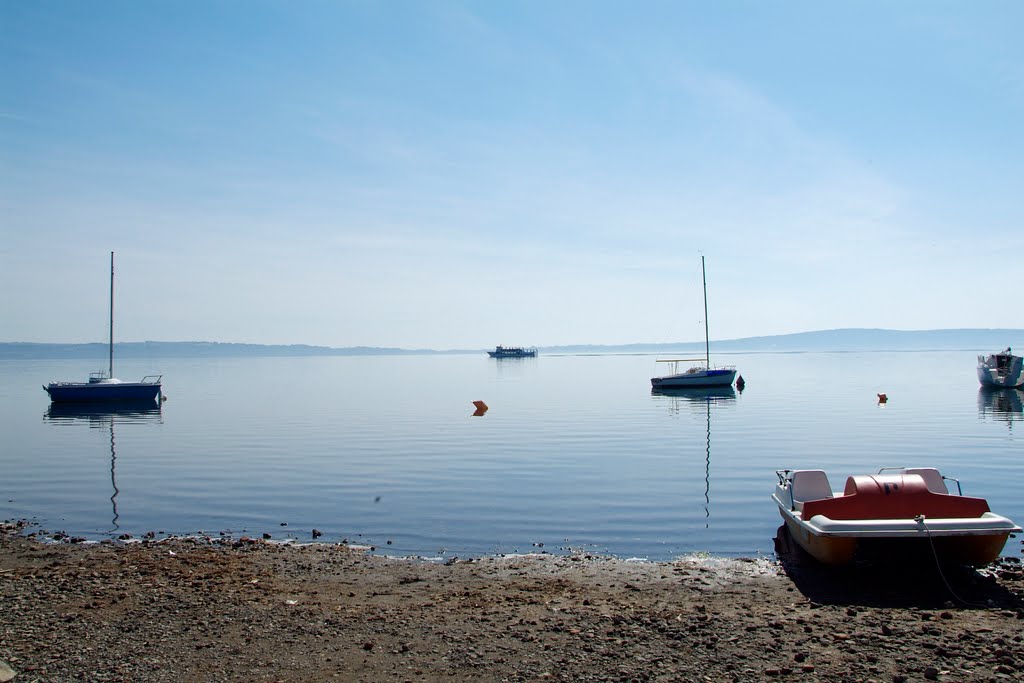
pixel 1004 405
pixel 105 416
pixel 696 398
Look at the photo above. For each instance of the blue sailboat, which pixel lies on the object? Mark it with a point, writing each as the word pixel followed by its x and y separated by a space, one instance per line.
pixel 703 374
pixel 102 387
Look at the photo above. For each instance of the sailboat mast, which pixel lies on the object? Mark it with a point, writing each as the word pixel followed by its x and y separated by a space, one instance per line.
pixel 707 343
pixel 110 369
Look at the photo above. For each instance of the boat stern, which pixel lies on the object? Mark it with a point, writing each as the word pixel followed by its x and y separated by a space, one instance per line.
pixel 1003 370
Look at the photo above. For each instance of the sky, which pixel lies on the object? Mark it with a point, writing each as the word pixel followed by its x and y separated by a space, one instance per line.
pixel 448 175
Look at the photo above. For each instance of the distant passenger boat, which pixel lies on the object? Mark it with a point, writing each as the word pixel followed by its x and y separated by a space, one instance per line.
pixel 512 352
pixel 102 386
pixel 698 375
pixel 1002 370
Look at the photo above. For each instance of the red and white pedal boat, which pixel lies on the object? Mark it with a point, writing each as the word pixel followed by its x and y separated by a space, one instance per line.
pixel 898 503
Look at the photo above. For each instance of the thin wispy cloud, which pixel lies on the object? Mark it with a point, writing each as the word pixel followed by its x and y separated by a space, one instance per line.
pixel 448 174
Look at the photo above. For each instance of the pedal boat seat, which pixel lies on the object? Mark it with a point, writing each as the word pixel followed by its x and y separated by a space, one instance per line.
pixel 809 485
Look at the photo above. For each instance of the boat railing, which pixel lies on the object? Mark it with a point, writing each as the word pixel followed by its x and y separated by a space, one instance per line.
pixel 959 491
pixel 676 361
pixel 787 483
pixel 151 379
pixel 702 361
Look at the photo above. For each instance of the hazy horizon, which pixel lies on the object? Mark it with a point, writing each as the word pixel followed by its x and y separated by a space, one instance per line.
pixel 980 337
pixel 456 174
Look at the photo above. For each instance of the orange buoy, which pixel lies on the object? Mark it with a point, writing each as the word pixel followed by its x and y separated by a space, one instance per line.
pixel 481 408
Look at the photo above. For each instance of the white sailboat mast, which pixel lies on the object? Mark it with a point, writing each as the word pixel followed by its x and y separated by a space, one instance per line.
pixel 707 342
pixel 110 369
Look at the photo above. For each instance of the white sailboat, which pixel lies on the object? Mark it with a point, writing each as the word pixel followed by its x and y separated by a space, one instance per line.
pixel 1001 370
pixel 702 374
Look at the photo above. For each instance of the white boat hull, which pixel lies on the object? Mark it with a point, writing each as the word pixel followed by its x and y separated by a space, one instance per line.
pixel 1001 370
pixel 965 546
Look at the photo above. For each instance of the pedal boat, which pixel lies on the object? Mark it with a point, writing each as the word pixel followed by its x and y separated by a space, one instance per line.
pixel 896 505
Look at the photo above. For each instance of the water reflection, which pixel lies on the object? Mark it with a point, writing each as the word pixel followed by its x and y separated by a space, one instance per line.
pixel 696 399
pixel 105 416
pixel 699 396
pixel 1004 405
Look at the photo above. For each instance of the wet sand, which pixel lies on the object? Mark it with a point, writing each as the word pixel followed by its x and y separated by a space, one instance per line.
pixel 210 610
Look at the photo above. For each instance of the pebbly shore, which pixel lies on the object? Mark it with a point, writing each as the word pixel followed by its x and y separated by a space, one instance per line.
pixel 177 609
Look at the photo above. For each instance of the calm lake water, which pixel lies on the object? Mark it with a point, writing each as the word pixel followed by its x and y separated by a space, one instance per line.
pixel 574 452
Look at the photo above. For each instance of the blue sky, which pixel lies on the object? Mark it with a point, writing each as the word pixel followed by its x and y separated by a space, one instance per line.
pixel 463 174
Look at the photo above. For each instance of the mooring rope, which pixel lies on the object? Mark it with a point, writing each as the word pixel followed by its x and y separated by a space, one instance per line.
pixel 920 519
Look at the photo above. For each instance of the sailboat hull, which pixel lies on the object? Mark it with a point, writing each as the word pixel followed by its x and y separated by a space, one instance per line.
pixel 698 378
pixel 102 392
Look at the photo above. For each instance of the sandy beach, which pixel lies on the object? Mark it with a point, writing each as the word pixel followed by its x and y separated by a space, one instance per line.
pixel 248 610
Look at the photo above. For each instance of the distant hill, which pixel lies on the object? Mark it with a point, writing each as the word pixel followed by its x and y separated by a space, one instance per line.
pixel 845 340
pixel 158 349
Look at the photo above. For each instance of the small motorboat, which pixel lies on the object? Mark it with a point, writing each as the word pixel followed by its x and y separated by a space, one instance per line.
pixel 899 504
pixel 1001 370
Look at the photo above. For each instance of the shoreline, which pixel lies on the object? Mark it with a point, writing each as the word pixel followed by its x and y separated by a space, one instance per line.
pixel 184 610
